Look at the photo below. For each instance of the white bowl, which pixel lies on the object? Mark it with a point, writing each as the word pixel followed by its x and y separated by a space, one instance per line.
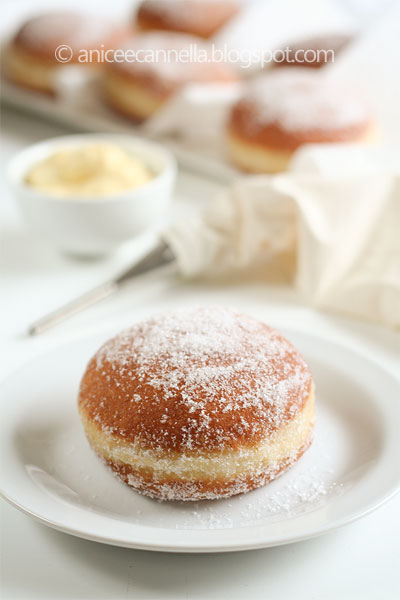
pixel 93 226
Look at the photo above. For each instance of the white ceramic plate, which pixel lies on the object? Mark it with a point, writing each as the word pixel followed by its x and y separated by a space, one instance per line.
pixel 50 473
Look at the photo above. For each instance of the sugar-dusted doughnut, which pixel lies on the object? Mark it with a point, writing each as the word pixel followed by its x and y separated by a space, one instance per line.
pixel 156 65
pixel 286 108
pixel 200 403
pixel 203 18
pixel 30 57
pixel 312 53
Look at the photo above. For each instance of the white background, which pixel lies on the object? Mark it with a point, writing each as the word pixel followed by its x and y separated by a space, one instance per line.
pixel 359 561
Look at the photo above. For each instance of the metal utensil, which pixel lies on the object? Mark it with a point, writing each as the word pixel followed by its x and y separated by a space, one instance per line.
pixel 159 256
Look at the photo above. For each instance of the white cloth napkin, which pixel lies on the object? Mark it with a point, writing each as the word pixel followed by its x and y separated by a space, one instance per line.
pixel 334 237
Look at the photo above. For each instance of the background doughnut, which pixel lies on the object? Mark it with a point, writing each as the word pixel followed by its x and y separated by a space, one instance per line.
pixel 137 89
pixel 30 59
pixel 196 17
pixel 286 108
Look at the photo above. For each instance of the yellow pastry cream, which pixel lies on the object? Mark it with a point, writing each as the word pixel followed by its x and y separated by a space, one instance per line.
pixel 97 169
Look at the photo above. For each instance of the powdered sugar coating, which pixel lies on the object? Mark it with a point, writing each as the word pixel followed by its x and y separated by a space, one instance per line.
pixel 183 11
pixel 199 379
pixel 203 17
pixel 297 100
pixel 171 59
pixel 44 32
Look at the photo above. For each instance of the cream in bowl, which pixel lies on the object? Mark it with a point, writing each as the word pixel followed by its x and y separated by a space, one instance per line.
pixel 88 194
pixel 93 170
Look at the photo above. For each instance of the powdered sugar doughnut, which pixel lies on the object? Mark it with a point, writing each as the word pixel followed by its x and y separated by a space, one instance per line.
pixel 313 53
pixel 287 108
pixel 197 17
pixel 30 59
pixel 155 66
pixel 200 403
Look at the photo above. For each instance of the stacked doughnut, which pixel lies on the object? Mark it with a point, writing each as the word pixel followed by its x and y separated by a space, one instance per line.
pixel 282 110
pixel 312 53
pixel 200 403
pixel 30 58
pixel 155 66
pixel 202 18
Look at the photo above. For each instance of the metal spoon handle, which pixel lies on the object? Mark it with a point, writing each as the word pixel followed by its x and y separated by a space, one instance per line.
pixel 159 256
pixel 73 307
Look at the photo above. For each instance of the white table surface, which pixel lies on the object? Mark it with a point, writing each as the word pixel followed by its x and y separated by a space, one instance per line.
pixel 358 561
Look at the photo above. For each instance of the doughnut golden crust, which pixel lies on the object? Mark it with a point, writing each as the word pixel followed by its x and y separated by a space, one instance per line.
pixel 287 108
pixel 201 403
pixel 197 17
pixel 30 59
pixel 158 65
